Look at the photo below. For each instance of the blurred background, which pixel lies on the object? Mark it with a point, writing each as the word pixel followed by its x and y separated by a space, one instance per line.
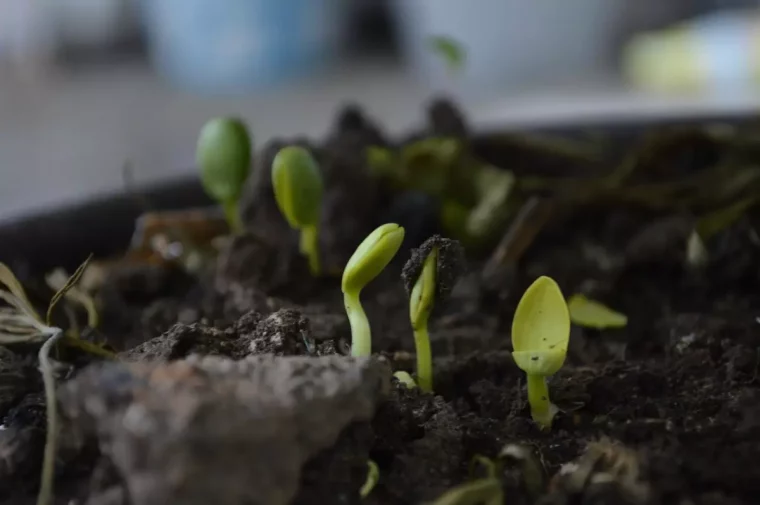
pixel 87 85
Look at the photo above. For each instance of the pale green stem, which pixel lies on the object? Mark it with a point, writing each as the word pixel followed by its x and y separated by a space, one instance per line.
pixel 541 408
pixel 424 357
pixel 361 337
pixel 45 495
pixel 310 248
pixel 232 214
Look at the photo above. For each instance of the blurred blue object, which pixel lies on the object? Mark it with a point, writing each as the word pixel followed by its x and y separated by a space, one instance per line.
pixel 221 46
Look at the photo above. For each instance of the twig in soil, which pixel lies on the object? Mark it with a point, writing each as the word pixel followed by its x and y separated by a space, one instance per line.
pixel 45 495
pixel 223 155
pixel 373 476
pixel 298 187
pixel 540 335
pixel 525 227
pixel 429 276
pixel 369 259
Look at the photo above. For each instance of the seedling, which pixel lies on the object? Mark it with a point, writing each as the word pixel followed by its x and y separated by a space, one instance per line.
pixel 373 476
pixel 223 155
pixel 483 491
pixel 540 335
pixel 405 379
pixel 429 276
pixel 298 187
pixel 369 259
pixel 450 50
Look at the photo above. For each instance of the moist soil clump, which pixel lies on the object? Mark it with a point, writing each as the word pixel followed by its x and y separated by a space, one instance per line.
pixel 665 410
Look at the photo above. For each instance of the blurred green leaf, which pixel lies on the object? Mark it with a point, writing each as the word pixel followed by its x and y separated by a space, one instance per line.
pixel 451 51
pixel 592 314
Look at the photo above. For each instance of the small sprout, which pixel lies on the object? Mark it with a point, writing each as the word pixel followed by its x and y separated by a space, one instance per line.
pixel 373 476
pixel 486 491
pixel 540 335
pixel 592 314
pixel 223 155
pixel 449 50
pixel 531 469
pixel 369 259
pixel 429 276
pixel 405 379
pixel 697 254
pixel 494 188
pixel 298 189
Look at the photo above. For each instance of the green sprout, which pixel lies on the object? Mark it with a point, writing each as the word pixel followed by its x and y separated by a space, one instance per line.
pixel 223 155
pixel 592 314
pixel 485 490
pixel 450 50
pixel 369 259
pixel 429 276
pixel 298 188
pixel 373 476
pixel 540 335
pixel 404 378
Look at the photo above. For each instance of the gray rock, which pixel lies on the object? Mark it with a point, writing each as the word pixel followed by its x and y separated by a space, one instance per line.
pixel 213 430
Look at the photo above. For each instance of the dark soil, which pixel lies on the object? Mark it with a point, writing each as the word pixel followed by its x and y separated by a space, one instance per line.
pixel 679 385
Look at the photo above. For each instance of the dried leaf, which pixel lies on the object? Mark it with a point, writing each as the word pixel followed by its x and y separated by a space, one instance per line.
pixel 592 314
pixel 57 280
pixel 14 286
pixel 66 287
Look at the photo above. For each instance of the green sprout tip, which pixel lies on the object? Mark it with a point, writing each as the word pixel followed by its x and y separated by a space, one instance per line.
pixel 223 155
pixel 540 335
pixel 369 259
pixel 429 276
pixel 298 187
pixel 373 476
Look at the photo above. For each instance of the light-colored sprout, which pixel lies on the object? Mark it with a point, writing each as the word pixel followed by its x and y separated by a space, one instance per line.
pixel 373 476
pixel 369 259
pixel 298 188
pixel 405 379
pixel 450 50
pixel 223 155
pixel 592 314
pixel 420 305
pixel 429 276
pixel 540 336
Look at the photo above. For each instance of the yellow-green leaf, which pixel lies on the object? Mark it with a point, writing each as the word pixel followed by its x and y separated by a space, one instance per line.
pixel 223 156
pixel 297 186
pixel 405 379
pixel 452 52
pixel 479 492
pixel 541 328
pixel 14 286
pixel 372 256
pixel 373 476
pixel 592 314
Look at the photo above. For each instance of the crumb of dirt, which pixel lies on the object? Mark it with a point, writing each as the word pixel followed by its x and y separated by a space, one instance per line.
pixel 445 119
pixel 283 333
pixel 228 431
pixel 450 265
pixel 250 260
pixel 181 340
